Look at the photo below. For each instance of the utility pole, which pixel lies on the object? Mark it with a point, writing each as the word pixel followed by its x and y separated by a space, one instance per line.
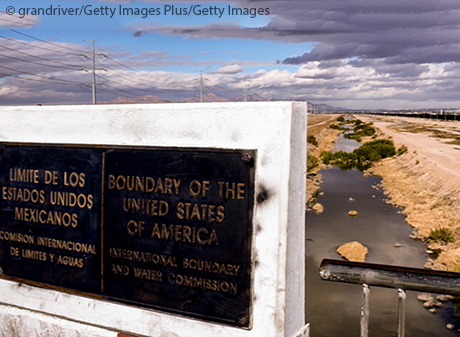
pixel 201 82
pixel 245 92
pixel 201 86
pixel 93 70
pixel 94 73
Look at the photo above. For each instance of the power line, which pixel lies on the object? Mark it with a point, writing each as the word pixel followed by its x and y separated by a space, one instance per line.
pixel 15 22
pixel 226 89
pixel 111 72
pixel 255 93
pixel 118 62
pixel 39 47
pixel 220 95
pixel 94 72
pixel 145 80
pixel 40 58
pixel 34 80
pixel 150 90
pixel 108 57
pixel 54 79
pixel 37 63
pixel 25 18
pixel 201 85
pixel 130 93
pixel 51 43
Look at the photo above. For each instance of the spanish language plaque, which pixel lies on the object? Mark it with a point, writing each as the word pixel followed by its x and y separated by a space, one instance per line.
pixel 50 216
pixel 168 229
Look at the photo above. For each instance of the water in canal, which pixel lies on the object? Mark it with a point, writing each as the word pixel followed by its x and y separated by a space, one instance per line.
pixel 333 309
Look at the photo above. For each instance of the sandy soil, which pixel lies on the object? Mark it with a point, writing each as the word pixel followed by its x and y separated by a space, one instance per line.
pixel 318 126
pixel 353 251
pixel 425 180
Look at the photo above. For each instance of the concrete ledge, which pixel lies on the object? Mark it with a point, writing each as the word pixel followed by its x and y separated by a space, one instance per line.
pixel 277 130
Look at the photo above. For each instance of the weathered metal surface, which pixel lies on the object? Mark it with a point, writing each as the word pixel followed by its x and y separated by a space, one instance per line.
pixel 364 324
pixel 433 281
pixel 401 313
pixel 400 278
pixel 177 231
pixel 50 216
pixel 168 229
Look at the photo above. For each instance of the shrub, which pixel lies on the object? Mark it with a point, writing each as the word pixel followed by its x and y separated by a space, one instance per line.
pixel 359 125
pixel 376 150
pixel 326 157
pixel 441 235
pixel 342 159
pixel 362 157
pixel 312 140
pixel 312 161
pixel 341 119
pixel 401 150
pixel 361 130
pixel 335 126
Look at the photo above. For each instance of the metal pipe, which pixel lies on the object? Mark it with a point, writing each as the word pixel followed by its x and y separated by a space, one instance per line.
pixel 401 312
pixel 432 281
pixel 365 311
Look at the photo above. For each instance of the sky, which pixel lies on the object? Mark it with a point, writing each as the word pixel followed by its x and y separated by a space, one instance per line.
pixel 354 54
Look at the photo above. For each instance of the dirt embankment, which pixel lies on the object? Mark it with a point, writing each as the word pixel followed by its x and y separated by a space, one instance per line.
pixel 425 181
pixel 324 137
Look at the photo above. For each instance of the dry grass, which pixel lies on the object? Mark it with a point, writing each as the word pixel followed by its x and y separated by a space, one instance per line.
pixel 318 126
pixel 425 181
pixel 447 260
pixel 426 206
pixel 316 123
pixel 432 130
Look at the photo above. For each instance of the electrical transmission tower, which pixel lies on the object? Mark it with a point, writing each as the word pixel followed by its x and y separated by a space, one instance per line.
pixel 93 70
pixel 201 80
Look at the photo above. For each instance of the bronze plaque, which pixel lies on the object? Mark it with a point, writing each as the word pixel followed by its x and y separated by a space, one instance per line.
pixel 168 229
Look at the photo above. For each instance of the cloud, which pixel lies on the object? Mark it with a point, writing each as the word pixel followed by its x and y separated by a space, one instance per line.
pixel 412 31
pixel 367 52
pixel 397 31
pixel 229 70
pixel 53 72
pixel 138 33
pixel 15 21
pixel 151 54
pixel 351 83
pixel 361 53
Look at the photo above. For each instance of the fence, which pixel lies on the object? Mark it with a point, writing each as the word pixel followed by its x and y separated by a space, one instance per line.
pixel 400 278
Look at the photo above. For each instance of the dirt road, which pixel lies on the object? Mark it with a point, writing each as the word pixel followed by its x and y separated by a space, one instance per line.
pixel 422 136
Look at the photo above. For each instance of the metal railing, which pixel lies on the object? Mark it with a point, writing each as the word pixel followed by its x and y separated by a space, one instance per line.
pixel 400 278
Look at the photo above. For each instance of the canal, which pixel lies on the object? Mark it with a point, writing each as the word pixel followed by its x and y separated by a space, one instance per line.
pixel 333 309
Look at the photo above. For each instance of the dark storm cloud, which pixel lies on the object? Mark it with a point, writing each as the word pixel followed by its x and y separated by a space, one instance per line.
pixel 397 31
pixel 413 31
pixel 138 33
